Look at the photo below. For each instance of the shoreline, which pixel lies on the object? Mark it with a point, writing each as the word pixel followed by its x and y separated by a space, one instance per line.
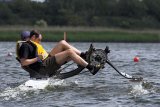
pixel 84 34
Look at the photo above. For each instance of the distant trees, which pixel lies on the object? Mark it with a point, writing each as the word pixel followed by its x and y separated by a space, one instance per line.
pixel 108 13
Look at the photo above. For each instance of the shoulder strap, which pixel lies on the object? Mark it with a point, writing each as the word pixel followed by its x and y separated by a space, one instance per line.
pixel 33 45
pixel 18 45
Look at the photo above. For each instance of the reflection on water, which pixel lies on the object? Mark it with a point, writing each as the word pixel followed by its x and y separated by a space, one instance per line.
pixel 107 88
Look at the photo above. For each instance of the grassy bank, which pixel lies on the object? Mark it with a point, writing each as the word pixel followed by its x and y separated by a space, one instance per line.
pixel 83 34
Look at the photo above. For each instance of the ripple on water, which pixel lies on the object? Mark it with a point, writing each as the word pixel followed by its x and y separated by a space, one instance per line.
pixel 106 88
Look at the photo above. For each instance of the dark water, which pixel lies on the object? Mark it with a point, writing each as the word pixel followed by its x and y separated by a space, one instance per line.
pixel 106 89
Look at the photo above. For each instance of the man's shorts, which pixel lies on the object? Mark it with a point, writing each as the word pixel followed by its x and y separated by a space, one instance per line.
pixel 49 67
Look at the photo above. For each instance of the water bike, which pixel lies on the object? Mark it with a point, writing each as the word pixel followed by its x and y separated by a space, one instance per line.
pixel 96 57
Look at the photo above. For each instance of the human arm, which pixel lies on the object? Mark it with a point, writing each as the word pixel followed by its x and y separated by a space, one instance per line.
pixel 26 62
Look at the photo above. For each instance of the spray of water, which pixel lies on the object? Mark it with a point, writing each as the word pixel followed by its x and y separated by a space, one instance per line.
pixel 138 89
pixel 32 87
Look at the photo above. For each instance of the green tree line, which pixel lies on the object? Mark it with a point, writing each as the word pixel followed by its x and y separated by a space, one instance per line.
pixel 104 13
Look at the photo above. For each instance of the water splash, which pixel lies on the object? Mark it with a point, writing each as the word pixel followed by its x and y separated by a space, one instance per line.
pixel 22 91
pixel 32 87
pixel 138 89
pixel 57 83
pixel 35 84
pixel 15 93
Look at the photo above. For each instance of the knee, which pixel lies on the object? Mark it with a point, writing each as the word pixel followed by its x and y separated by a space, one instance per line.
pixel 70 52
pixel 62 42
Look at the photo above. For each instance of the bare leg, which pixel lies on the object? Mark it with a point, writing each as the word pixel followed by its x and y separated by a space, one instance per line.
pixel 62 46
pixel 70 54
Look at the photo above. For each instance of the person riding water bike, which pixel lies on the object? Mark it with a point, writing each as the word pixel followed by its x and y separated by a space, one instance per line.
pixel 34 56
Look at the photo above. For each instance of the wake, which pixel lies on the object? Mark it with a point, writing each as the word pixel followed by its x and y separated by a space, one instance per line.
pixel 32 87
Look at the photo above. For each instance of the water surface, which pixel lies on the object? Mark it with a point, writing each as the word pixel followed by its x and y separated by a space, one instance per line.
pixel 106 89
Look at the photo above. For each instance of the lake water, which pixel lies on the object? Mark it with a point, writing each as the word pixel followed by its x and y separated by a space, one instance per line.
pixel 106 89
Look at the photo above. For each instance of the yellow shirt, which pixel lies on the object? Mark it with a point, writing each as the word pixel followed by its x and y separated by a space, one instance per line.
pixel 41 51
